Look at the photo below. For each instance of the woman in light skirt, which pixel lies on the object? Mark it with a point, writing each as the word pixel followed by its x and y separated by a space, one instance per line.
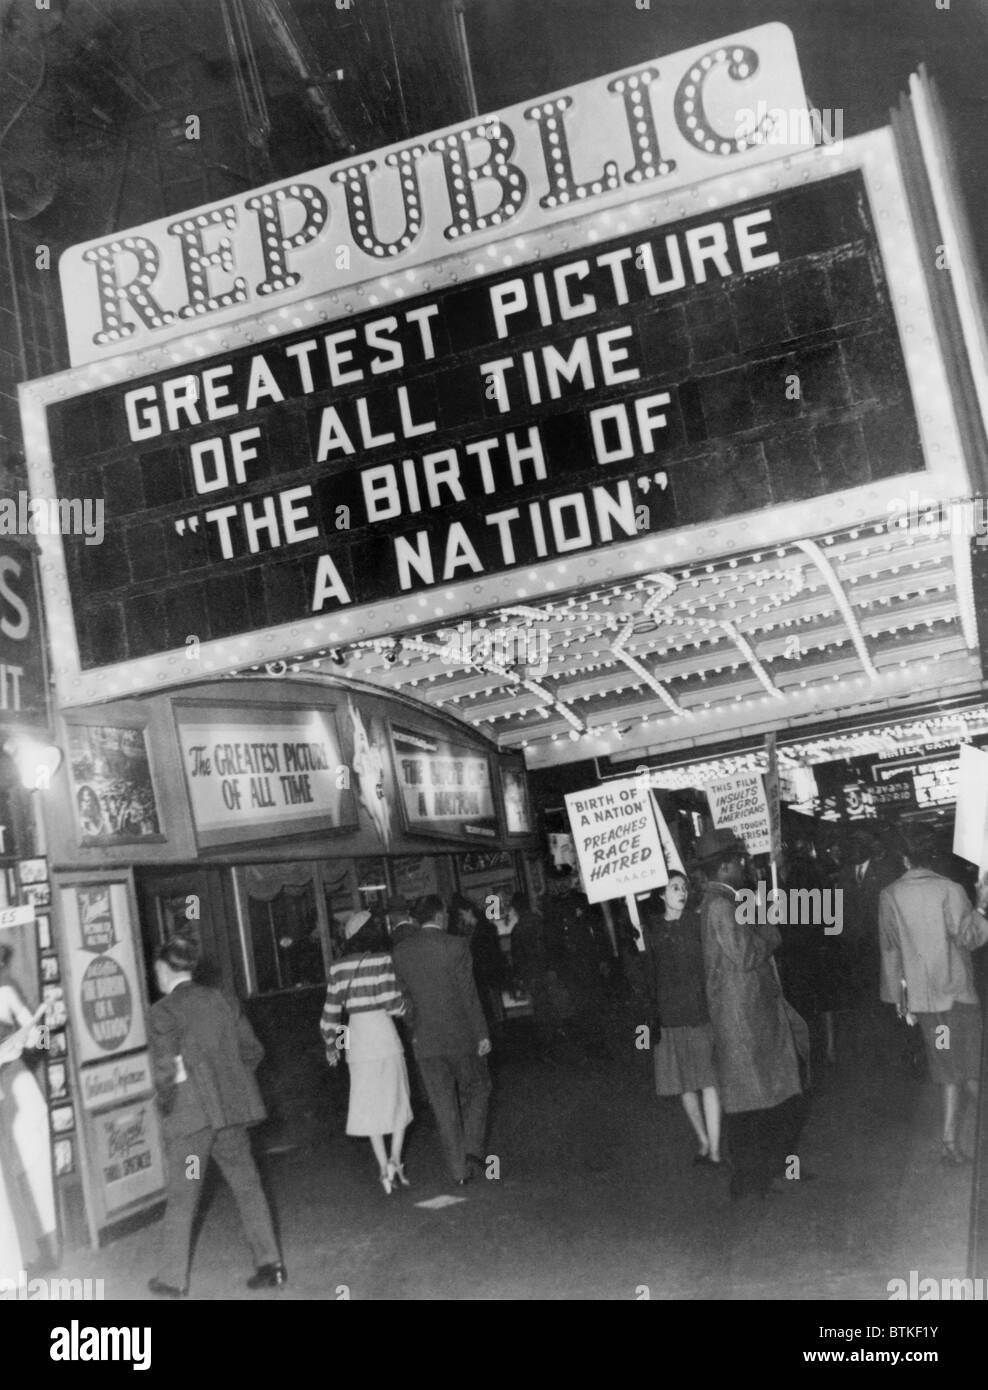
pixel 684 1056
pixel 362 985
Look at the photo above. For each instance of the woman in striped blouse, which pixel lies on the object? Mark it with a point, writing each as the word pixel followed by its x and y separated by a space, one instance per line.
pixel 362 983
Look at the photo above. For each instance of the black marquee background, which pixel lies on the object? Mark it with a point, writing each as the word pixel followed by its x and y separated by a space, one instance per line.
pixel 735 441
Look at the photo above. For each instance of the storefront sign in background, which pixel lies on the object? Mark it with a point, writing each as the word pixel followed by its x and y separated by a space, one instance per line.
pixel 444 787
pixel 279 772
pixel 617 840
pixel 106 1002
pixel 23 692
pixel 660 125
pixel 738 803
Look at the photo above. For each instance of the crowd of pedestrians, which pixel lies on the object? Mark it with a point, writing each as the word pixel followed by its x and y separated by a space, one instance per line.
pixel 728 1003
pixel 735 1001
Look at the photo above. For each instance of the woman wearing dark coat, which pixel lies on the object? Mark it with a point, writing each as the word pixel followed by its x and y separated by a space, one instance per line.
pixel 684 1055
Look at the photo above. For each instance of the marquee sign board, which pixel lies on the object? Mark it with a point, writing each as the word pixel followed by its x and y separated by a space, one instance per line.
pixel 664 124
pixel 583 402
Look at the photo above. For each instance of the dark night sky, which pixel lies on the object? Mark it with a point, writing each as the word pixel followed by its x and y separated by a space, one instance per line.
pixel 855 55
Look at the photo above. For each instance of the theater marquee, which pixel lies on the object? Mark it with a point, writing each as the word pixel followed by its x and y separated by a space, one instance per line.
pixel 530 414
pixel 663 124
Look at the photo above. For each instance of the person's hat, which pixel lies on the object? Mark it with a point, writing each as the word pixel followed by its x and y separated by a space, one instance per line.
pixel 397 904
pixel 354 923
pixel 719 844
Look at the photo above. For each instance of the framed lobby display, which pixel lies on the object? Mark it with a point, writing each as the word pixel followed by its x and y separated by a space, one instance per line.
pixel 514 799
pixel 102 976
pixel 117 1137
pixel 113 796
pixel 263 772
pixel 444 786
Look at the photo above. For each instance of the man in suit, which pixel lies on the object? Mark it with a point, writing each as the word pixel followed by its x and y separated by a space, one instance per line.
pixel 205 1054
pixel 870 871
pixel 449 1035
pixel 400 921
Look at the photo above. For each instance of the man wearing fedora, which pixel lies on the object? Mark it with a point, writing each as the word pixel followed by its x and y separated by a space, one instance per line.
pixel 757 1062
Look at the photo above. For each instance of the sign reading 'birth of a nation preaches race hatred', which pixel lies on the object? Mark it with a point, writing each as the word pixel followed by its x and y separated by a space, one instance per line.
pixel 618 844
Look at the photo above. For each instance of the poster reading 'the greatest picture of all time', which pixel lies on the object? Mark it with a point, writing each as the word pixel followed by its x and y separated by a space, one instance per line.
pixel 253 777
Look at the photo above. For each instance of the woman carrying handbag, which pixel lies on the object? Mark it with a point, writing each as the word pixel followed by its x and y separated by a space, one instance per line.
pixel 361 999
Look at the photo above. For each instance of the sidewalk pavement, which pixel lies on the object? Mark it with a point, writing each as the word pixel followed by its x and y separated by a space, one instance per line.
pixel 593 1194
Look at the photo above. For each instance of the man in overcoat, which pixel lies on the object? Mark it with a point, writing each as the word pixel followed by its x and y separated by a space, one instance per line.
pixel 757 1063
pixel 204 1054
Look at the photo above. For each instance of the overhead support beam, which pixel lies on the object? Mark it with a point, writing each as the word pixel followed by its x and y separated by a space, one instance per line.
pixel 748 652
pixel 290 38
pixel 814 552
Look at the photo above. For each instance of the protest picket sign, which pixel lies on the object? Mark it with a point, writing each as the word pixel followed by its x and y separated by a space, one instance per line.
pixel 738 803
pixel 618 846
pixel 773 805
pixel 971 813
pixel 617 840
pixel 772 798
pixel 674 863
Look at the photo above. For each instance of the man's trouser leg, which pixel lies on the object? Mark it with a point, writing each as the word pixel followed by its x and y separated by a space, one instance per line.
pixel 440 1086
pixel 474 1085
pixel 746 1141
pixel 788 1121
pixel 231 1149
pixel 187 1157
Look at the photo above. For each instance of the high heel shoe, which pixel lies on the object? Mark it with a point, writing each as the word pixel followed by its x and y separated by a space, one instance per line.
pixel 386 1181
pixel 396 1172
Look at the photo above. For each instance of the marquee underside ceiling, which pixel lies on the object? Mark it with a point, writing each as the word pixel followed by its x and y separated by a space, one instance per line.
pixel 864 620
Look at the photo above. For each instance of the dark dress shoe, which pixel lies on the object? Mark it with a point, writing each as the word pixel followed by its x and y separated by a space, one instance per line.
pixel 268 1277
pixel 462 1182
pixel 163 1290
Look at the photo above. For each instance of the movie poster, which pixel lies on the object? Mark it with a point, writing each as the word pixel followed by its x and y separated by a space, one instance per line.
pixel 112 790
